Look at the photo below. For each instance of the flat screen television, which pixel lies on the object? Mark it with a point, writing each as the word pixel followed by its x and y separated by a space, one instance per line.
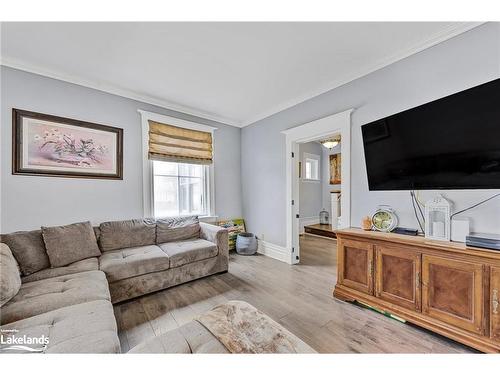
pixel 449 143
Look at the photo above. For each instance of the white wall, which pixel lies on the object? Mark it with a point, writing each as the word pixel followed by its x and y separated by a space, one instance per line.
pixel 462 62
pixel 28 202
pixel 310 191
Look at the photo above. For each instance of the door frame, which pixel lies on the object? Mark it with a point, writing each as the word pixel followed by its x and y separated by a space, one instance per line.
pixel 339 123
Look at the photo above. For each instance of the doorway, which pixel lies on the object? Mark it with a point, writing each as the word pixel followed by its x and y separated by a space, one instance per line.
pixel 338 124
pixel 319 202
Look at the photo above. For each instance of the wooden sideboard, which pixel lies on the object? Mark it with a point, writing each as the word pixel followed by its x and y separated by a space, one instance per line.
pixel 445 287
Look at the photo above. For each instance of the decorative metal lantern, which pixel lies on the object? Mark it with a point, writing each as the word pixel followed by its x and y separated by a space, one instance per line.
pixel 437 219
pixel 323 217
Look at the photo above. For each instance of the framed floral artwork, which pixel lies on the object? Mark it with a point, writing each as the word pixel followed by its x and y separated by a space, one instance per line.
pixel 46 145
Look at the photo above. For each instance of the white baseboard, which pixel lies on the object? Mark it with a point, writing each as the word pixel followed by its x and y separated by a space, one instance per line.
pixel 274 251
pixel 307 221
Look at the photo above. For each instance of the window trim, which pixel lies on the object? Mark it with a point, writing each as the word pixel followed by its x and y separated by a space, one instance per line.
pixel 147 165
pixel 306 156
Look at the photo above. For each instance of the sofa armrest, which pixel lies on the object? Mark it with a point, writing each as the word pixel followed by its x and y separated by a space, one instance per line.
pixel 217 235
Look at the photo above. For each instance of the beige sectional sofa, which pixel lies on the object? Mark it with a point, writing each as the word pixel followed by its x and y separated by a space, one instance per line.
pixel 61 281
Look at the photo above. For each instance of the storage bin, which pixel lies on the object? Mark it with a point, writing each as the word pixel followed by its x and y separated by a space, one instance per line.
pixel 246 244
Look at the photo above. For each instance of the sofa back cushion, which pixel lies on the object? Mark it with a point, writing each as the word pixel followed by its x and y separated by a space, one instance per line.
pixel 97 232
pixel 177 228
pixel 29 250
pixel 67 244
pixel 10 279
pixel 127 233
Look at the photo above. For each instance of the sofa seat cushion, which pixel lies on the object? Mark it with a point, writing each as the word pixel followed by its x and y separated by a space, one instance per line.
pixel 41 296
pixel 189 251
pixel 134 261
pixel 84 328
pixel 90 264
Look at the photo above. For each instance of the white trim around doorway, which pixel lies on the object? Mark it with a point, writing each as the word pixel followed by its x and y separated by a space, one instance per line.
pixel 339 123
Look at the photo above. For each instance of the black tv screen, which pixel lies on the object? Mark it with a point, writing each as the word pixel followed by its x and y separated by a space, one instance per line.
pixel 450 143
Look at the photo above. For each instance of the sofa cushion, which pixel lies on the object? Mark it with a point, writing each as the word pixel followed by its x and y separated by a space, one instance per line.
pixel 38 297
pixel 134 261
pixel 188 251
pixel 190 338
pixel 97 232
pixel 10 279
pixel 90 264
pixel 84 328
pixel 28 249
pixel 127 233
pixel 177 228
pixel 67 244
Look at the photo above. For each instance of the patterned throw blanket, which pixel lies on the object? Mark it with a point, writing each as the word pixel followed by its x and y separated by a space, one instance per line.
pixel 241 328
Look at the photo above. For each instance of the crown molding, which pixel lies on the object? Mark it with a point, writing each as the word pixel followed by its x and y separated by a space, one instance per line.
pixel 444 35
pixel 115 90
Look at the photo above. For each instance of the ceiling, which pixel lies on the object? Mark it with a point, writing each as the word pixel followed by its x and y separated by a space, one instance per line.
pixel 235 73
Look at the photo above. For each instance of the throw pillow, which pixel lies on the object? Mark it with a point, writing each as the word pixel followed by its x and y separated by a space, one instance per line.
pixel 28 249
pixel 67 244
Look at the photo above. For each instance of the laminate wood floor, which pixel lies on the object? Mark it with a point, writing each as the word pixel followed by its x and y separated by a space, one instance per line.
pixel 299 297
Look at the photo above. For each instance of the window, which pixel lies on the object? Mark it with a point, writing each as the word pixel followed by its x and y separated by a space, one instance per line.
pixel 311 167
pixel 177 169
pixel 180 189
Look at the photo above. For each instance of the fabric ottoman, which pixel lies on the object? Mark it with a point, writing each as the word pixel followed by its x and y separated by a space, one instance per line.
pixel 234 327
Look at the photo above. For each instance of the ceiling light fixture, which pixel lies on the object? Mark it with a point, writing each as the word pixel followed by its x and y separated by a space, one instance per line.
pixel 330 143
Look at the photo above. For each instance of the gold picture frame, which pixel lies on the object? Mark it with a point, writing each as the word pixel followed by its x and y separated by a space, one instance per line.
pixel 335 170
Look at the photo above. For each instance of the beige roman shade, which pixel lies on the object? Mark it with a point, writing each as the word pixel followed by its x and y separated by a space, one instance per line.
pixel 171 143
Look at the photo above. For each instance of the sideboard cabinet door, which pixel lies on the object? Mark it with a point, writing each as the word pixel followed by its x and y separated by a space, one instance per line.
pixel 355 260
pixel 452 291
pixel 495 303
pixel 397 276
